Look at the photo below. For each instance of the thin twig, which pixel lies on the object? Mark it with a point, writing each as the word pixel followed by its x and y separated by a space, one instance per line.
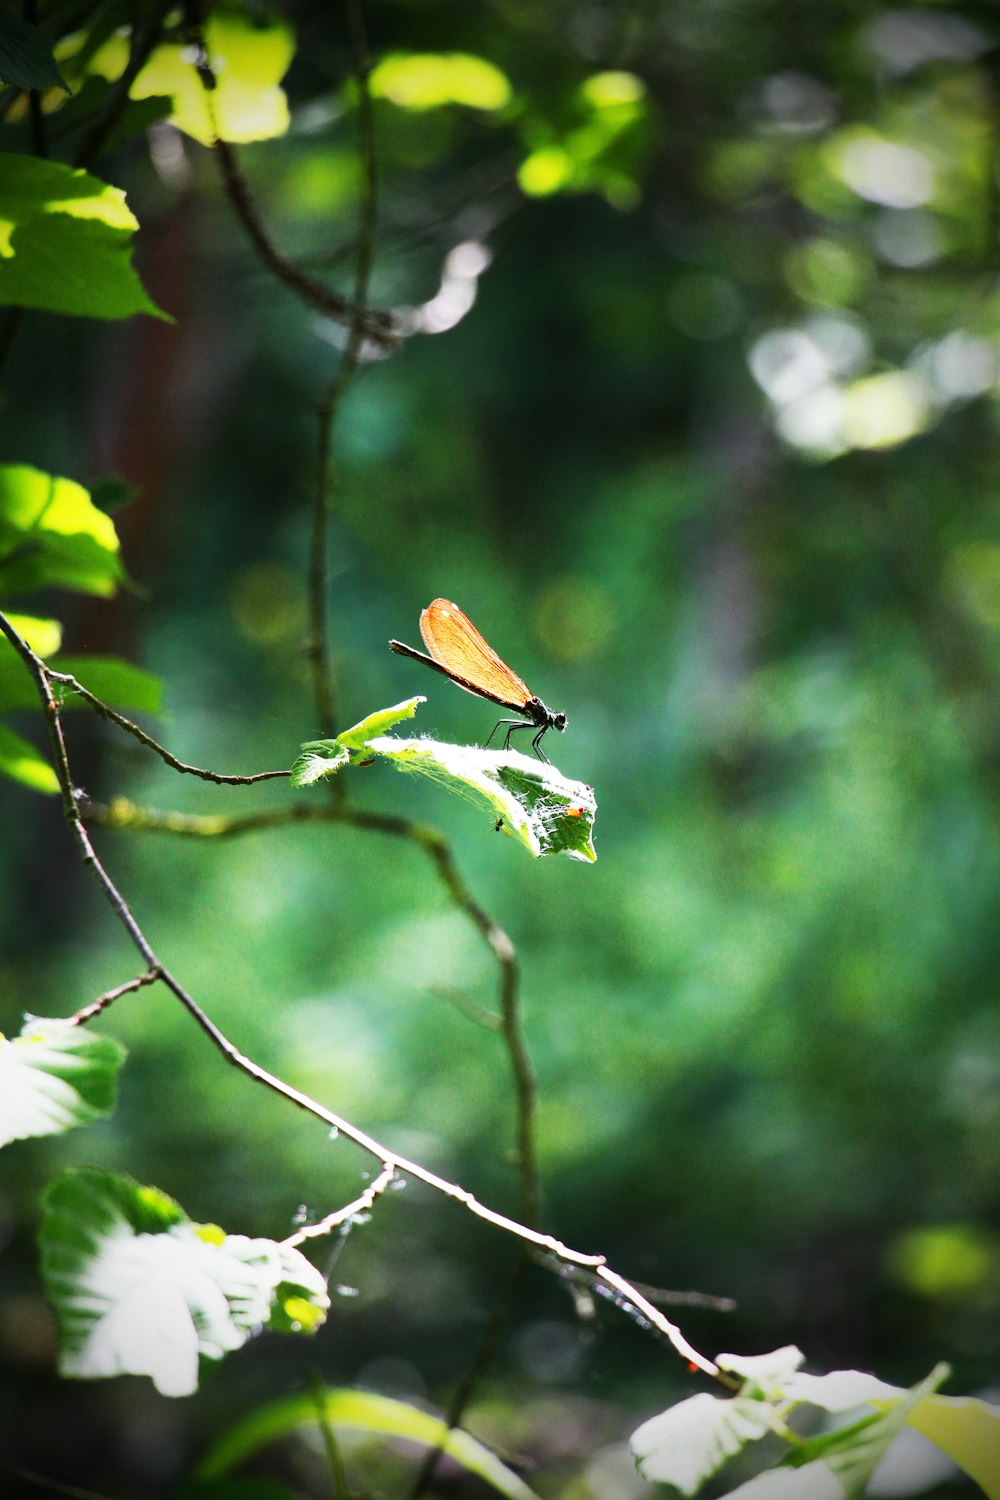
pixel 341 1216
pixel 318 645
pixel 376 324
pixel 64 679
pixel 110 996
pixel 622 1292
pixel 121 813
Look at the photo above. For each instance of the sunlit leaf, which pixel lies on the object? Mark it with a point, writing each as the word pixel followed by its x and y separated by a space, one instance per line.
pixel 139 1289
pixel 55 1077
pixel 765 1374
pixel 603 151
pixel 319 758
pixel 813 1481
pixel 26 58
pixel 366 1412
pixel 968 1430
pixel 51 535
pixel 359 735
pixel 428 80
pixel 546 811
pixel 22 762
pixel 691 1441
pixel 65 242
pixel 249 57
pixel 852 1454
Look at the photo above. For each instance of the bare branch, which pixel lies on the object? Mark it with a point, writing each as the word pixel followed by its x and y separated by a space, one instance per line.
pixel 110 996
pixel 64 679
pixel 342 1216
pixel 622 1293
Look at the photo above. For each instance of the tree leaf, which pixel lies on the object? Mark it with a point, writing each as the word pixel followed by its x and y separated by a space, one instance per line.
pixel 64 242
pixel 813 1481
pixel 525 797
pixel 22 762
pixel 249 59
pixel 544 810
pixel 841 1390
pixel 367 1412
pixel 52 535
pixel 319 758
pixel 689 1442
pixel 358 736
pixel 968 1430
pixel 55 1077
pixel 766 1375
pixel 429 80
pixel 851 1454
pixel 26 58
pixel 140 1289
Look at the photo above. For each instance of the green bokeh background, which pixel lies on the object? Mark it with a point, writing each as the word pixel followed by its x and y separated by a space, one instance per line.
pixel 764 1024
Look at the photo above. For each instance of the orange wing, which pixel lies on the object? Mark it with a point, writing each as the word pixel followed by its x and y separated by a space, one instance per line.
pixel 453 640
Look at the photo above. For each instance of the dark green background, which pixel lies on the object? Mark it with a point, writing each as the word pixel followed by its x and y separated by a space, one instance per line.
pixel 764 1024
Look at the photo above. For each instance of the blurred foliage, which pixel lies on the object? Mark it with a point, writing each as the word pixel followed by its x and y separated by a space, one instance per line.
pixel 698 419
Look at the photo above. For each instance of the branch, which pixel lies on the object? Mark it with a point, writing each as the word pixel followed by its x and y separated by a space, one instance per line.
pixel 110 996
pixel 122 813
pixel 375 324
pixel 142 43
pixel 64 679
pixel 341 1217
pixel 625 1296
pixel 318 646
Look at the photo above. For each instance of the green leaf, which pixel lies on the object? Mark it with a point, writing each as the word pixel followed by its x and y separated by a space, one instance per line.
pixel 358 736
pixel 428 80
pixel 544 810
pixel 689 1442
pixel 605 150
pixel 53 536
pixel 841 1390
pixel 55 1077
pixel 968 1430
pixel 851 1455
pixel 319 758
pixel 765 1375
pixel 22 762
pixel 64 242
pixel 117 683
pixel 525 797
pixel 140 1289
pixel 26 58
pixel 364 1411
pixel 814 1481
pixel 249 59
